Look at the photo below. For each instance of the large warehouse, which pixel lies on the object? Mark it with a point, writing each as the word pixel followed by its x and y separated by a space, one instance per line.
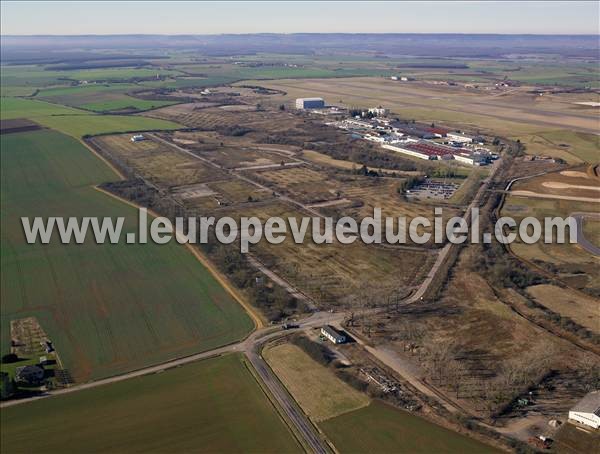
pixel 587 410
pixel 310 103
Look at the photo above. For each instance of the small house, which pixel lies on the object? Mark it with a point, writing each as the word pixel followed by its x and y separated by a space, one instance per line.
pixel 333 335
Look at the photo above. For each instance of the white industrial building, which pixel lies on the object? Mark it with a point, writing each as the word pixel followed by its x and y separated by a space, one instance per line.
pixel 399 149
pixel 587 410
pixel 458 137
pixel 137 138
pixel 333 335
pixel 374 138
pixel 310 103
pixel 379 111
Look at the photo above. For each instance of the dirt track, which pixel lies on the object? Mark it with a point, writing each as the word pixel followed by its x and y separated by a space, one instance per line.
pixel 554 196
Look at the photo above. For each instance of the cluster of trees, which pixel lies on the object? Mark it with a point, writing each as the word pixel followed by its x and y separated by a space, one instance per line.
pixel 408 183
pixel 356 112
pixel 495 262
pixel 233 131
pixel 364 170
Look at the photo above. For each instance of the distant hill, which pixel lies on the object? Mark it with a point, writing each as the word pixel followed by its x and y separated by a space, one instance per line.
pixel 54 49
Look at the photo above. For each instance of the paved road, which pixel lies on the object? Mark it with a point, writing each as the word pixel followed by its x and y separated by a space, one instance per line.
pixel 581 239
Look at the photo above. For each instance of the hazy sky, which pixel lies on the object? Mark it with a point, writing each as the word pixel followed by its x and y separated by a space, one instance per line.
pixel 68 18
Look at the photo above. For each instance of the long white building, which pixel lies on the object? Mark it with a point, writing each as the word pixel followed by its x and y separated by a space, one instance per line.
pixel 458 137
pixel 587 410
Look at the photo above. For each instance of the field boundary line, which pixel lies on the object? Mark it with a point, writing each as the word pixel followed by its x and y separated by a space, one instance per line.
pixel 103 159
pixel 221 279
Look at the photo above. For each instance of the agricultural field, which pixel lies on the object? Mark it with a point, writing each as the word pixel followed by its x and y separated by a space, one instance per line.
pixel 83 125
pixel 318 391
pixel 26 108
pixel 39 76
pixel 100 98
pixel 381 428
pixel 76 122
pixel 350 419
pixel 107 308
pixel 214 405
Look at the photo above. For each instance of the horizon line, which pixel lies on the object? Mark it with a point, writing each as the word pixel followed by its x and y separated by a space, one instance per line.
pixel 301 33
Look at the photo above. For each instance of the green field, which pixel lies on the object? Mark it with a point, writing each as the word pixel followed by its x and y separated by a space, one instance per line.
pixel 108 308
pixel 209 406
pixel 125 103
pixel 100 97
pixel 75 122
pixel 315 387
pixel 381 428
pixel 38 76
pixel 81 125
pixel 27 108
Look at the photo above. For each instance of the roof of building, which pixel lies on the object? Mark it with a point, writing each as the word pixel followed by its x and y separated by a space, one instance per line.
pixel 440 131
pixel 309 99
pixel 332 332
pixel 429 149
pixel 589 404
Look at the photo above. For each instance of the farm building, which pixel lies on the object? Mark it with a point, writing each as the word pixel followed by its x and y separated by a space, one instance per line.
pixel 137 138
pixel 310 103
pixel 587 410
pixel 333 335
pixel 32 375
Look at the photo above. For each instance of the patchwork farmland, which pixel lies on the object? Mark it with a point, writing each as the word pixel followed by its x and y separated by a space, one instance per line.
pixel 352 421
pixel 154 350
pixel 108 308
pixel 214 405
